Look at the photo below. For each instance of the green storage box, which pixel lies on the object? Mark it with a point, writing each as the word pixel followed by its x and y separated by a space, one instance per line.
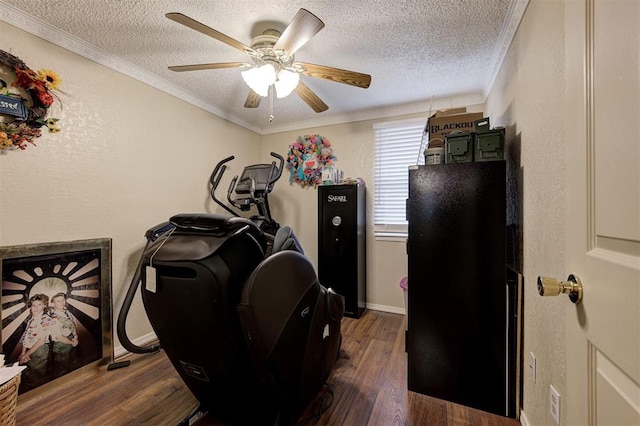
pixel 459 147
pixel 482 126
pixel 489 146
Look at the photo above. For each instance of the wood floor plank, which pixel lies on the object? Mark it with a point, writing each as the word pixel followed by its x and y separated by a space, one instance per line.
pixel 390 407
pixel 425 410
pixel 369 386
pixel 377 325
pixel 371 378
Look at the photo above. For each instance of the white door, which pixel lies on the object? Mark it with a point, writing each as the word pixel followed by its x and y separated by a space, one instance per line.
pixel 603 203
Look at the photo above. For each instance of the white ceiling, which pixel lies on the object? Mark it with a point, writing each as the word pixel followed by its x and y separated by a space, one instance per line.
pixel 415 50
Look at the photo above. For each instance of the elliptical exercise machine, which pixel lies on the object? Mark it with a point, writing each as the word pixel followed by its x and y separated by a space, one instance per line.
pixel 252 189
pixel 240 313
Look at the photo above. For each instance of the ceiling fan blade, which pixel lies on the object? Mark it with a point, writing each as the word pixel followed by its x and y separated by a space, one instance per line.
pixel 195 25
pixel 335 74
pixel 302 27
pixel 215 66
pixel 310 98
pixel 253 100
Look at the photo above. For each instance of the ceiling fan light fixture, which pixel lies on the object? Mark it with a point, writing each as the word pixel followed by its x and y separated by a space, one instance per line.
pixel 260 78
pixel 272 53
pixel 286 82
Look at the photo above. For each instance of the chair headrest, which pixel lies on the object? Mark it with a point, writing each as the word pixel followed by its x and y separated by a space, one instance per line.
pixel 285 239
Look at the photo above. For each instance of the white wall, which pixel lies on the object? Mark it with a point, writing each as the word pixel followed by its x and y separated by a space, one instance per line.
pixel 128 157
pixel 298 207
pixel 527 99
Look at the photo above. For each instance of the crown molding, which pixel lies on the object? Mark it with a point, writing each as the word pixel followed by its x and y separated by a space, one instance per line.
pixel 45 31
pixel 425 107
pixel 512 21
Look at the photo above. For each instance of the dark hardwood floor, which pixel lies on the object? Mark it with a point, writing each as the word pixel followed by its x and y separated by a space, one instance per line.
pixel 369 388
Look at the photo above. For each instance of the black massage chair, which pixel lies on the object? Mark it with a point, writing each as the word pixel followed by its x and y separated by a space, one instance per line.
pixel 250 334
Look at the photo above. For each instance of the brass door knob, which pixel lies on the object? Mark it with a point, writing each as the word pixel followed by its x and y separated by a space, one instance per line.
pixel 553 287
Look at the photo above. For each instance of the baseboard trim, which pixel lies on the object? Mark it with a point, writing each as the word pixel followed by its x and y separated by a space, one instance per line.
pixel 523 419
pixel 120 351
pixel 385 308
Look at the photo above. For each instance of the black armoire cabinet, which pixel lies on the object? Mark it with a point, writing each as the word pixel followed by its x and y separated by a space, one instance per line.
pixel 460 339
pixel 341 244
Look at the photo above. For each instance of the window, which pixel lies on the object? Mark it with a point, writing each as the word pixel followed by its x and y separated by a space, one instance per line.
pixel 398 145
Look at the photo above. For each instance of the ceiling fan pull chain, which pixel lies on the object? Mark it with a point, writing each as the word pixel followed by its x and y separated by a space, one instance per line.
pixel 271 103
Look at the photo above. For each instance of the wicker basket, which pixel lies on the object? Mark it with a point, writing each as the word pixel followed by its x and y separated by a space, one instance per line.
pixel 8 401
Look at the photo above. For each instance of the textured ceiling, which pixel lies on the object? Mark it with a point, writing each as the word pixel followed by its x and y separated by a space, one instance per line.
pixel 415 50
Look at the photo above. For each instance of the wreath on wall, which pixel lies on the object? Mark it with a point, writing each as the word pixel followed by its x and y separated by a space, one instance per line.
pixel 306 158
pixel 22 118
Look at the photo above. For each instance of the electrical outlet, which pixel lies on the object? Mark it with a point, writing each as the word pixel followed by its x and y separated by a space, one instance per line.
pixel 554 404
pixel 532 367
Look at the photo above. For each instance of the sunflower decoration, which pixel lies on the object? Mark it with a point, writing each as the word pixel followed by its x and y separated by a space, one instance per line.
pixel 24 114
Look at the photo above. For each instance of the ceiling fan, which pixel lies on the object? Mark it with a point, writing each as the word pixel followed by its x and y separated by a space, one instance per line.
pixel 273 65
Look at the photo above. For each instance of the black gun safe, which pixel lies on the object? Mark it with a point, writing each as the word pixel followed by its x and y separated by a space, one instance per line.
pixel 342 243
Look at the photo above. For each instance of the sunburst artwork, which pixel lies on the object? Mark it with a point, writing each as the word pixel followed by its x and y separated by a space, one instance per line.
pixel 52 313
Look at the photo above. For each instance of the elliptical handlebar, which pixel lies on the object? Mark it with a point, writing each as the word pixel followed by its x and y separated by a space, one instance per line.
pixel 151 235
pixel 279 167
pixel 220 167
pixel 121 326
pixel 214 180
pixel 234 202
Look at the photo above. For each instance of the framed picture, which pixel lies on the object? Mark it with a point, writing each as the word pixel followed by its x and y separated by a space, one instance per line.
pixel 56 308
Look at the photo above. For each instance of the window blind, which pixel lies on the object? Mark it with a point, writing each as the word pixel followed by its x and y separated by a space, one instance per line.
pixel 398 145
